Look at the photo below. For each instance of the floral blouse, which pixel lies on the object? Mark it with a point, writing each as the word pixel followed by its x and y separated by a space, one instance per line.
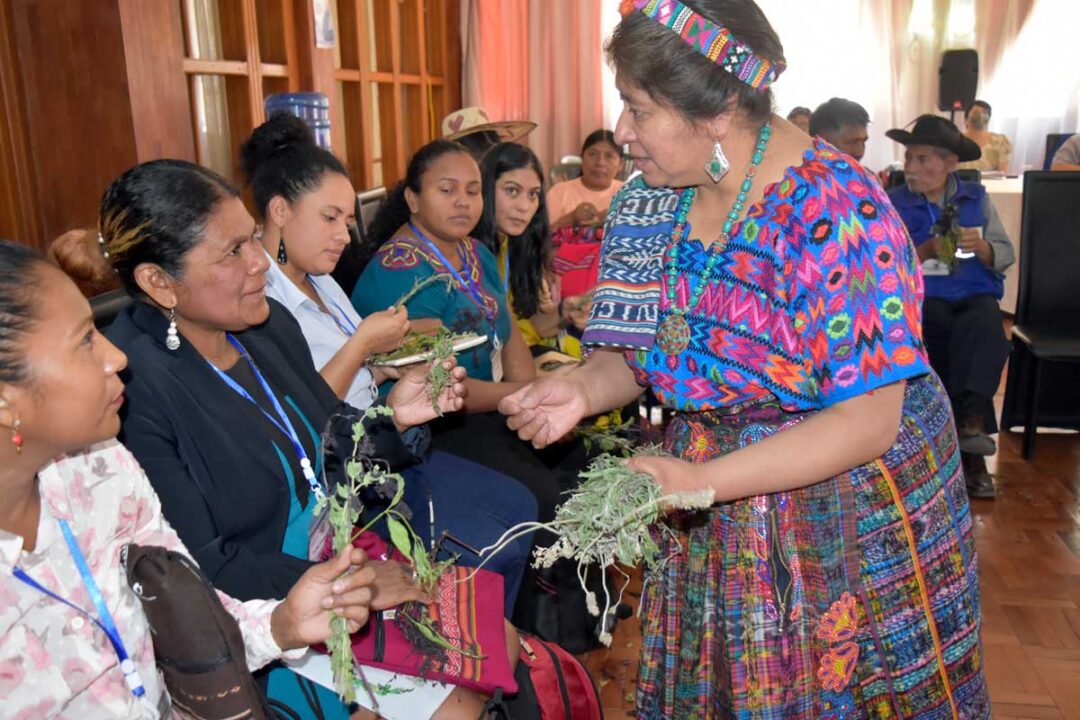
pixel 54 663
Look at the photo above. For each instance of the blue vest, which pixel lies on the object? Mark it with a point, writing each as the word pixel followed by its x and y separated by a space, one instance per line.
pixel 969 277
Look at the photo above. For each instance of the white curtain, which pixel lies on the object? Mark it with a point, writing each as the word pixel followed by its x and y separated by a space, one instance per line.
pixel 884 54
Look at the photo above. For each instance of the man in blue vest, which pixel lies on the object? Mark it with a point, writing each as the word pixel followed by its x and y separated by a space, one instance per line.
pixel 962 324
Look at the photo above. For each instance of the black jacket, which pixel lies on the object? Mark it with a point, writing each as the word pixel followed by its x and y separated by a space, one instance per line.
pixel 221 485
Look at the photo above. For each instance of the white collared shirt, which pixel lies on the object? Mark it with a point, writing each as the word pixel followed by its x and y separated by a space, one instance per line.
pixel 54 663
pixel 325 332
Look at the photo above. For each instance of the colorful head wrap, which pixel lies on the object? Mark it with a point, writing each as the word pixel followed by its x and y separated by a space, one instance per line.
pixel 711 40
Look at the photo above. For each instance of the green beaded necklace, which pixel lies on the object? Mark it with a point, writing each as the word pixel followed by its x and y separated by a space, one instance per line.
pixel 673 335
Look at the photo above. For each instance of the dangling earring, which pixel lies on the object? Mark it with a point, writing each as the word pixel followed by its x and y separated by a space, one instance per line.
pixel 718 164
pixel 282 256
pixel 16 436
pixel 172 338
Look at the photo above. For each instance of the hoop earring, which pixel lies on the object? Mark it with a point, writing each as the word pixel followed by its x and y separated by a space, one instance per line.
pixel 718 164
pixel 16 436
pixel 172 337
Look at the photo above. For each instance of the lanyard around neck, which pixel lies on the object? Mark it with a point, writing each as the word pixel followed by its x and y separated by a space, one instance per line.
pixel 340 318
pixel 104 620
pixel 281 422
pixel 463 279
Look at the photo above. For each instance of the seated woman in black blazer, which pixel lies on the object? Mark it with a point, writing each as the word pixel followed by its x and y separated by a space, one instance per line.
pixel 225 407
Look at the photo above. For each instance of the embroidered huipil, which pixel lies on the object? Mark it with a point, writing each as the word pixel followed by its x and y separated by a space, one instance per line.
pixel 54 663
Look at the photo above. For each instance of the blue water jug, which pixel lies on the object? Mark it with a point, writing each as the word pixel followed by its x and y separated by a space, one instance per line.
pixel 311 107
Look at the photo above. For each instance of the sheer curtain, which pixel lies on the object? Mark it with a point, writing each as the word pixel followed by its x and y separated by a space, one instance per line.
pixel 536 60
pixel 885 54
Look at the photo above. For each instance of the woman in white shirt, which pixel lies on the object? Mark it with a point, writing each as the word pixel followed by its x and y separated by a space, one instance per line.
pixel 62 471
pixel 307 203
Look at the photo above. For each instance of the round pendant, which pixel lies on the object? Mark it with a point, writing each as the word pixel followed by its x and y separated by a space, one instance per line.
pixel 673 335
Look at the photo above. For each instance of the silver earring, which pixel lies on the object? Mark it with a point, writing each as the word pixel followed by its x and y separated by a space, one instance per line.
pixel 172 338
pixel 718 164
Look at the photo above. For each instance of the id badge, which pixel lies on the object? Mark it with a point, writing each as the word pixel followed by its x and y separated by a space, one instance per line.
pixel 320 537
pixel 496 360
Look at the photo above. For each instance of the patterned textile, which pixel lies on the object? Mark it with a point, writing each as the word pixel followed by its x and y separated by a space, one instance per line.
pixel 403 260
pixel 815 299
pixel 711 40
pixel 853 598
pixel 53 662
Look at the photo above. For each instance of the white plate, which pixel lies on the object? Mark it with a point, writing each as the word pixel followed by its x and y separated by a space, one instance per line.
pixel 464 343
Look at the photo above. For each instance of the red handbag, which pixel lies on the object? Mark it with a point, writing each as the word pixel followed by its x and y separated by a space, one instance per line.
pixel 469 614
pixel 576 258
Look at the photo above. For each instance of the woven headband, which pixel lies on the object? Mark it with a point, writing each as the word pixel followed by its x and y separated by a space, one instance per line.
pixel 711 40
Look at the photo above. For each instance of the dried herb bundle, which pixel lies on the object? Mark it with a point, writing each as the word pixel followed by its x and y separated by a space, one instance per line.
pixel 607 519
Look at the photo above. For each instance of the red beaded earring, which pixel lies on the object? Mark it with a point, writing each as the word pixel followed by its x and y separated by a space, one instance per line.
pixel 16 437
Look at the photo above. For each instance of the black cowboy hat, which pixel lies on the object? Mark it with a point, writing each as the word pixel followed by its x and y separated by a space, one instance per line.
pixel 936 131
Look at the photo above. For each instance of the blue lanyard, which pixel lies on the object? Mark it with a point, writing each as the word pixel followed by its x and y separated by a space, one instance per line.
pixel 281 422
pixel 104 619
pixel 341 319
pixel 465 283
pixel 506 269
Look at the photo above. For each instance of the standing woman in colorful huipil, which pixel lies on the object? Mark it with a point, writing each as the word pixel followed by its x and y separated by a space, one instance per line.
pixel 765 289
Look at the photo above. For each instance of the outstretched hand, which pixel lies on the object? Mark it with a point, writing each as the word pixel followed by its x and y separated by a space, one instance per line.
pixel 544 411
pixel 410 399
pixel 342 585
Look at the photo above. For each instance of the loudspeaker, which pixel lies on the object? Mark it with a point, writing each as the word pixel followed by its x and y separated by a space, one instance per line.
pixel 958 78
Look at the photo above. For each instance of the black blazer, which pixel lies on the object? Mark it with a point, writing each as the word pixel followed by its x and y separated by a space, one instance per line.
pixel 221 485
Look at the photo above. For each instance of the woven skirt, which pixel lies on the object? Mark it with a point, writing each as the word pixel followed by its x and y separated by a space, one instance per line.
pixel 856 597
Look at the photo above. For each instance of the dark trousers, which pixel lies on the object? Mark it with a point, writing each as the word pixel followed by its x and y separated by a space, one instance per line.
pixel 967 346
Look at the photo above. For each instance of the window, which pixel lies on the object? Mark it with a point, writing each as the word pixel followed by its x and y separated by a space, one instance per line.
pixel 396 72
pixel 236 53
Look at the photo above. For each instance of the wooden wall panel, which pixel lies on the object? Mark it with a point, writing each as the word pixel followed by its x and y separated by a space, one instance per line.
pixel 158 90
pixel 78 111
pixel 19 214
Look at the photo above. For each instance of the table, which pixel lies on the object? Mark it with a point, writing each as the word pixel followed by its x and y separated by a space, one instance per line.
pixel 1007 194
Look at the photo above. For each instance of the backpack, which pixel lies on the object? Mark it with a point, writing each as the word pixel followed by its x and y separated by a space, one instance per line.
pixel 552 685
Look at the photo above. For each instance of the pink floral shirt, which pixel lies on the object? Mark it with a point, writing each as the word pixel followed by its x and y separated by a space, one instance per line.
pixel 54 663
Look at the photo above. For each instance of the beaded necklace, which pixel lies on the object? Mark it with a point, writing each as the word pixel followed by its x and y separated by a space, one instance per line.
pixel 673 335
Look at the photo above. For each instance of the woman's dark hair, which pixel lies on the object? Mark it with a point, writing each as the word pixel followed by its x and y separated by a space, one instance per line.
pixel 19 280
pixel 395 211
pixel 156 213
pixel 281 158
pixel 478 143
pixel 984 105
pixel 530 251
pixel 599 136
pixel 655 59
pixel 797 111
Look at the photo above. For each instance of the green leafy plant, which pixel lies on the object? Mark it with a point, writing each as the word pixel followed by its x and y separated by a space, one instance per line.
pixel 608 438
pixel 420 285
pixel 344 509
pixel 608 519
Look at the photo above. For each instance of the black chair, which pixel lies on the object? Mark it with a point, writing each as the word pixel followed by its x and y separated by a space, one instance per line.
pixel 107 306
pixel 1054 141
pixel 358 252
pixel 1046 335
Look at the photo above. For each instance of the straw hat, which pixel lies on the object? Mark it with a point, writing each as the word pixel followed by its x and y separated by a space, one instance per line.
pixel 467 121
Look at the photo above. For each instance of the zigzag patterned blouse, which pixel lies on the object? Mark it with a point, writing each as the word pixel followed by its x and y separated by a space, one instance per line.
pixel 816 298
